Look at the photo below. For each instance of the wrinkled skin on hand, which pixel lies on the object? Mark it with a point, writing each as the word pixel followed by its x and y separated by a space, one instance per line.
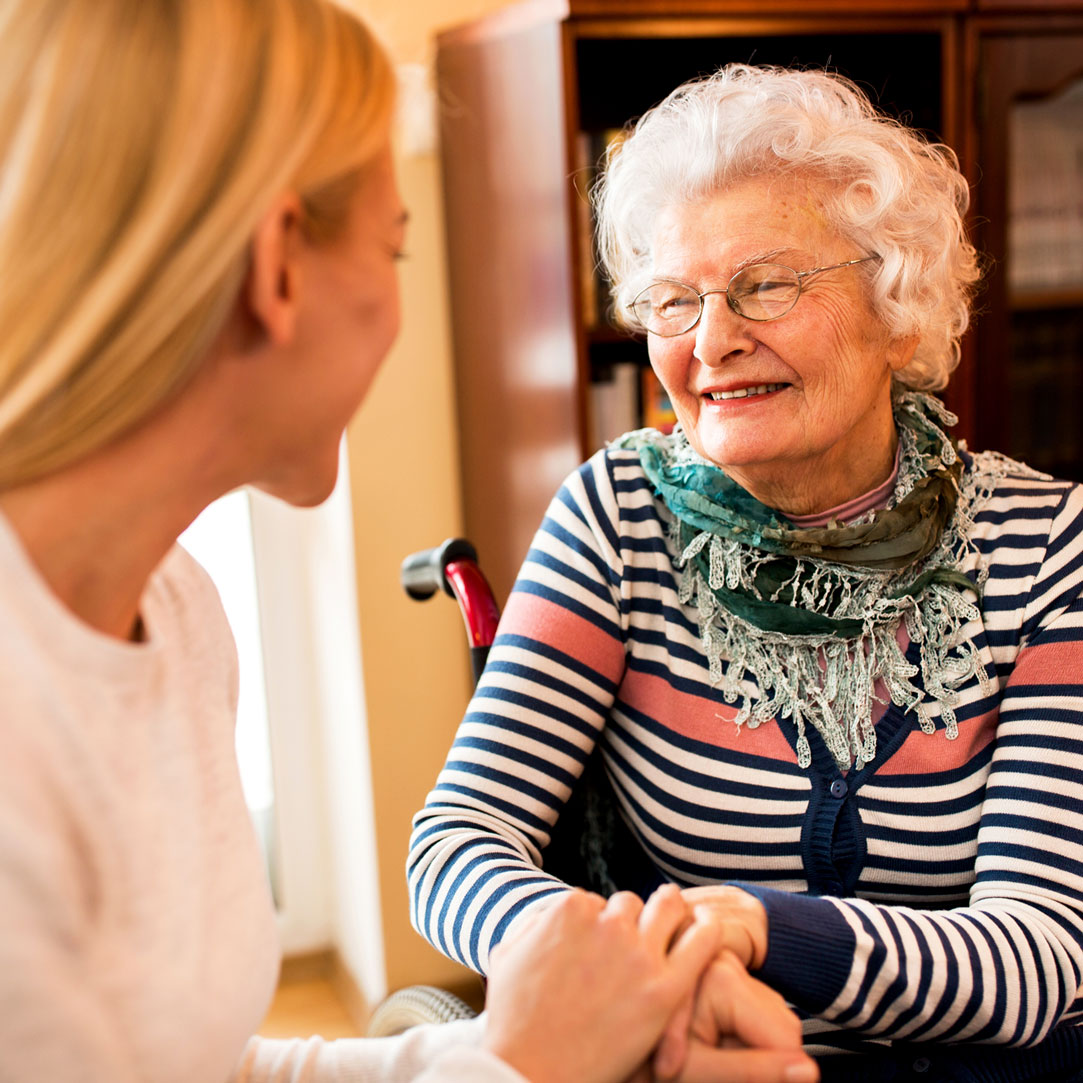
pixel 583 989
pixel 739 916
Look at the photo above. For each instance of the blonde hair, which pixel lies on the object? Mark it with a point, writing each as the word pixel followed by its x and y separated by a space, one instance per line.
pixel 140 143
pixel 882 184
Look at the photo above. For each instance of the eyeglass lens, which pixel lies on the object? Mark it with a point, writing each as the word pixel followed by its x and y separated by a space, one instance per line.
pixel 763 291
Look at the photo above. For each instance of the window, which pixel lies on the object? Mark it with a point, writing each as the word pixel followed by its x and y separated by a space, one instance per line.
pixel 286 577
pixel 221 540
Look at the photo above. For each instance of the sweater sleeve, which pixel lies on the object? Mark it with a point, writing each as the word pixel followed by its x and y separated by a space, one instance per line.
pixel 437 1053
pixel 1006 968
pixel 551 677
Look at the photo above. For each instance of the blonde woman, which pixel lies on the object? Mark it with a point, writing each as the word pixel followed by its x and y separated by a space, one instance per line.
pixel 198 232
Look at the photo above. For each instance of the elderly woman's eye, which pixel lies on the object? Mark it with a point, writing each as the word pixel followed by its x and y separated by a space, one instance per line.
pixel 674 302
pixel 766 289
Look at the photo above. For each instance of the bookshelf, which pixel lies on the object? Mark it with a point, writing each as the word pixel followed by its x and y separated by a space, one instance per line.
pixel 1028 152
pixel 529 97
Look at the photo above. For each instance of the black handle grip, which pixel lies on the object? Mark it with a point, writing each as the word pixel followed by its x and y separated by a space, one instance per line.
pixel 422 574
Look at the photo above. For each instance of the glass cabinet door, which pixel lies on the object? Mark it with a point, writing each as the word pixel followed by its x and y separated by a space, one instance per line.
pixel 1029 364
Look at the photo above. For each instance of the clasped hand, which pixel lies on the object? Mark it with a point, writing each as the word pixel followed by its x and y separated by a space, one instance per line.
pixel 620 991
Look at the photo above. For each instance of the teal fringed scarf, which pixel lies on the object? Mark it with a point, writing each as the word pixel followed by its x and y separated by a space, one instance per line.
pixel 800 623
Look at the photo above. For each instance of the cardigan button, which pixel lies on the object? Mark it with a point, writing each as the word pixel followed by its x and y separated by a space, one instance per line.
pixel 922 1065
pixel 838 788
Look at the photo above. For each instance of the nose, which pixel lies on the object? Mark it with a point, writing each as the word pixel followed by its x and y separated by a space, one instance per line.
pixel 721 335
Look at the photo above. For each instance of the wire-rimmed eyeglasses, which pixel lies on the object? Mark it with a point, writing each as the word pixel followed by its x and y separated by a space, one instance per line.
pixel 762 291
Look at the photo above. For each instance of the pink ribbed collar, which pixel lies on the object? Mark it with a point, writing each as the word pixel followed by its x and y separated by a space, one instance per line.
pixel 873 500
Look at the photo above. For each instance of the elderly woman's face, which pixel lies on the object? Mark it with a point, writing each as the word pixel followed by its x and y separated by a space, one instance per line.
pixel 797 409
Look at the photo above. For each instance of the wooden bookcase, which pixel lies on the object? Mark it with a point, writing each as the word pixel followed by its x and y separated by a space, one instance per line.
pixel 525 91
pixel 1028 133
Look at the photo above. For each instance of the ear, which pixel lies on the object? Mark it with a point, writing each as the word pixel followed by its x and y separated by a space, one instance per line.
pixel 900 352
pixel 273 287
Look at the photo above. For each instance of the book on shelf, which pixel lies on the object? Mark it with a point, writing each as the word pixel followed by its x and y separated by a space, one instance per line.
pixel 624 396
pixel 583 180
pixel 614 395
pixel 657 409
pixel 591 151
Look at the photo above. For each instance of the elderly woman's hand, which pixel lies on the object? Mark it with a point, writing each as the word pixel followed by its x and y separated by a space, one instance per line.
pixel 739 917
pixel 742 1031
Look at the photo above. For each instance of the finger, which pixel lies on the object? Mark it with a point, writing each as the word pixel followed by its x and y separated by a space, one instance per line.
pixel 735 935
pixel 690 958
pixel 731 1002
pixel 723 894
pixel 743 909
pixel 706 1065
pixel 587 900
pixel 623 906
pixel 704 893
pixel 663 915
pixel 673 1047
pixel 576 906
pixel 696 949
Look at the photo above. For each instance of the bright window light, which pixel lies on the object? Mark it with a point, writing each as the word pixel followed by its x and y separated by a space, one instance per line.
pixel 221 540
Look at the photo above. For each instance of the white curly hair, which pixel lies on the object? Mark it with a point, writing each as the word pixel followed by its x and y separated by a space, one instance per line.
pixel 883 185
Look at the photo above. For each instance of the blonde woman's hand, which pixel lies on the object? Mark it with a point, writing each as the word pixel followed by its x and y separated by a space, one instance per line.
pixel 583 989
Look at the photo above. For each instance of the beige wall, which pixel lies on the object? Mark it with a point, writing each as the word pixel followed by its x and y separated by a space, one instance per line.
pixel 408 27
pixel 405 490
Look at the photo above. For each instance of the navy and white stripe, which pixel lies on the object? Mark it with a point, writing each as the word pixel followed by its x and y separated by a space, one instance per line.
pixel 935 895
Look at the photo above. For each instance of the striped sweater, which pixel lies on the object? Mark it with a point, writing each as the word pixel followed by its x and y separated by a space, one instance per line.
pixel 936 895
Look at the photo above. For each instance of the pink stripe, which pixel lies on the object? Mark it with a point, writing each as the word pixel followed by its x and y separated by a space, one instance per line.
pixel 1049 663
pixel 932 753
pixel 553 625
pixel 709 721
pixel 706 719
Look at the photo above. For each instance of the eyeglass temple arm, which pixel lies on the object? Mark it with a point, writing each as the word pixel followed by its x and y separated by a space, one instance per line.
pixel 836 266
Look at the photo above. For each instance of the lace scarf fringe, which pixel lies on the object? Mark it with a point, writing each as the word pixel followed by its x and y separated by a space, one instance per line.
pixel 828 682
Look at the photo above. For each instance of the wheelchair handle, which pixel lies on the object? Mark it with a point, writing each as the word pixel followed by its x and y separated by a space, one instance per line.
pixel 422 574
pixel 453 568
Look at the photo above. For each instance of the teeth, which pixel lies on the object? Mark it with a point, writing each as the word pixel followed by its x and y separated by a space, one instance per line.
pixel 745 392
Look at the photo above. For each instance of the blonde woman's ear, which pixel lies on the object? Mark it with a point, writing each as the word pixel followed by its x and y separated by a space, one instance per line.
pixel 272 290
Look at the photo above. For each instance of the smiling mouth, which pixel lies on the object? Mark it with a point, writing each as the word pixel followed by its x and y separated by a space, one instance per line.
pixel 744 392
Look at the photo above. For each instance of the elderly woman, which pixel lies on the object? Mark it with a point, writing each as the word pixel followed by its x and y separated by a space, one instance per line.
pixel 832 659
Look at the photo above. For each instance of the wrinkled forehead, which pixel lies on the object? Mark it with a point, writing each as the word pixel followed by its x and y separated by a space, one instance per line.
pixel 758 219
